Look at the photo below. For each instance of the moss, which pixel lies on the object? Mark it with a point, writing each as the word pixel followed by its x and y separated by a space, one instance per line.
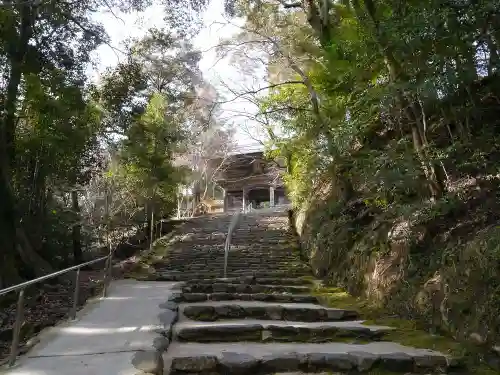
pixel 27 330
pixel 442 272
pixel 316 339
pixel 144 266
pixel 405 332
pixel 203 316
pixel 339 298
pixel 309 280
pixel 317 336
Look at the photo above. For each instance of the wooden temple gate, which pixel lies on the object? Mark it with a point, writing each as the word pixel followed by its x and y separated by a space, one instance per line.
pixel 251 179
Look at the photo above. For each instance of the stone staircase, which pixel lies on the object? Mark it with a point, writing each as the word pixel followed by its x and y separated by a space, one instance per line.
pixel 263 319
pixel 200 251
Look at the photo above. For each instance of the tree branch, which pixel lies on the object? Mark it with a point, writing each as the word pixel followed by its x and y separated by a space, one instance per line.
pixel 286 5
pixel 262 89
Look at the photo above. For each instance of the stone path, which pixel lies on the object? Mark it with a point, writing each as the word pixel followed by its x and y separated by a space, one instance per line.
pixel 199 253
pixel 264 320
pixel 112 336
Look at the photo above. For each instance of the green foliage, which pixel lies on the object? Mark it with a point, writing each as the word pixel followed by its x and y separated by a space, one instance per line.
pixel 147 154
pixel 112 143
pixel 389 130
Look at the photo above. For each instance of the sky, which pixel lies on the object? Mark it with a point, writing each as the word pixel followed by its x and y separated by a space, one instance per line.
pixel 219 73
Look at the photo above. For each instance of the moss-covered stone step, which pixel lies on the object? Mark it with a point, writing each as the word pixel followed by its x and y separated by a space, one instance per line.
pixel 231 272
pixel 218 259
pixel 270 274
pixel 189 276
pixel 303 312
pixel 244 288
pixel 219 262
pixel 256 280
pixel 266 297
pixel 263 271
pixel 257 358
pixel 291 271
pixel 183 276
pixel 276 331
pixel 373 372
pixel 203 252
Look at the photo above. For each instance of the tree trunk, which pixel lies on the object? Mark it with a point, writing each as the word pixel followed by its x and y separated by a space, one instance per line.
pixel 494 59
pixel 76 230
pixel 8 267
pixel 319 19
pixel 37 264
pixel 147 222
pixel 179 202
pixel 8 220
pixel 196 193
pixel 38 207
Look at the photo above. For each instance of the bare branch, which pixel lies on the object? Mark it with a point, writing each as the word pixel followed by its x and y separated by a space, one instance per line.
pixel 262 89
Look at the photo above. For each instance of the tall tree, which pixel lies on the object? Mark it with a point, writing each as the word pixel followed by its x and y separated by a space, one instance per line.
pixel 42 74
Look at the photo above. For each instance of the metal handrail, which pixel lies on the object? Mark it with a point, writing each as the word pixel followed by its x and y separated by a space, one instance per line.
pixel 227 245
pixel 14 350
pixel 50 276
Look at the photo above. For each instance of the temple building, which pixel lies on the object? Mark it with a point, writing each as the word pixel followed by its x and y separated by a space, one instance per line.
pixel 250 180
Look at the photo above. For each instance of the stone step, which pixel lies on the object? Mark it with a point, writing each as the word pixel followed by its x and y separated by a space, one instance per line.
pixel 376 372
pixel 207 268
pixel 270 358
pixel 260 234
pixel 178 276
pixel 304 312
pixel 255 241
pixel 246 248
pixel 271 274
pixel 241 254
pixel 247 268
pixel 236 255
pixel 250 280
pixel 243 288
pixel 210 267
pixel 275 331
pixel 266 297
pixel 219 261
pixel 202 240
pixel 210 275
pixel 188 276
pixel 262 259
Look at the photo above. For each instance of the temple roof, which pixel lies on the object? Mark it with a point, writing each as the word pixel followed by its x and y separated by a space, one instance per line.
pixel 248 170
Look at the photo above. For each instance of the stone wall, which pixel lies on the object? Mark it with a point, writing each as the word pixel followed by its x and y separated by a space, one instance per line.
pixel 444 278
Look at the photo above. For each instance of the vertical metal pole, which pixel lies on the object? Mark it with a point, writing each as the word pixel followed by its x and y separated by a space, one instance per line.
pixel 105 286
pixel 76 294
pixel 179 201
pixel 244 203
pixel 107 265
pixel 17 328
pixel 110 266
pixel 225 198
pixel 151 234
